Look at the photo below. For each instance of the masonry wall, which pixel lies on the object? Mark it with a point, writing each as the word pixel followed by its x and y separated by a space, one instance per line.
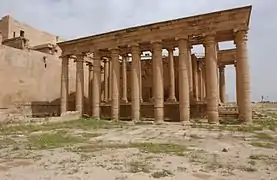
pixel 4 27
pixel 9 26
pixel 25 78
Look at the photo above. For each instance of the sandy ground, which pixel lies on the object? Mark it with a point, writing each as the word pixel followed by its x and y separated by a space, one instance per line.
pixel 138 152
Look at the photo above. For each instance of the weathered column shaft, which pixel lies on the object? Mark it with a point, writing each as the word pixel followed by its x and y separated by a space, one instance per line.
pixel 211 78
pixel 140 82
pixel 195 79
pixel 200 86
pixel 244 76
pixel 96 90
pixel 80 83
pixel 90 85
pixel 64 85
pixel 106 80
pixel 124 79
pixel 184 101
pixel 158 82
pixel 172 97
pixel 110 80
pixel 222 87
pixel 135 83
pixel 237 86
pixel 189 65
pixel 115 84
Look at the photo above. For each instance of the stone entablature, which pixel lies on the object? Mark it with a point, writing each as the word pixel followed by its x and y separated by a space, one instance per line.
pixel 194 28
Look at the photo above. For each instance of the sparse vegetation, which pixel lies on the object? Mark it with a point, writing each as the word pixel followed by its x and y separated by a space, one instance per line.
pixel 263 136
pixel 139 166
pixel 84 124
pixel 263 145
pixel 52 140
pixel 144 147
pixel 160 174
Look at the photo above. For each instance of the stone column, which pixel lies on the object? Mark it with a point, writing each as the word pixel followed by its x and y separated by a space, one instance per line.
pixel 80 83
pixel 90 85
pixel 135 83
pixel 244 76
pixel 237 85
pixel 222 87
pixel 200 83
pixel 204 81
pixel 172 97
pixel 158 82
pixel 1 39
pixel 124 79
pixel 140 82
pixel 96 90
pixel 211 78
pixel 110 81
pixel 184 102
pixel 115 84
pixel 189 65
pixel 195 79
pixel 64 85
pixel 106 80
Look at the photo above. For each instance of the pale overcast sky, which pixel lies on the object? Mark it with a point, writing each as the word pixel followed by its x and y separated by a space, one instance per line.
pixel 76 18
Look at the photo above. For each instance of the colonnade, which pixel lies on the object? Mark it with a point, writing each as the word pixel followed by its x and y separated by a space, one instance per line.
pixel 197 82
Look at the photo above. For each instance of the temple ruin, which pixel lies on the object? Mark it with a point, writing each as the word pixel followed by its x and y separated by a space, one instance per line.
pixel 193 85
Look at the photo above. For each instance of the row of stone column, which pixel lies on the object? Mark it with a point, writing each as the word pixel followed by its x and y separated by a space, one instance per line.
pixel 205 78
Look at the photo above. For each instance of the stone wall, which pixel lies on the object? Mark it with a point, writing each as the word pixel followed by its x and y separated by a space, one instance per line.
pixel 25 78
pixel 10 27
pixel 4 27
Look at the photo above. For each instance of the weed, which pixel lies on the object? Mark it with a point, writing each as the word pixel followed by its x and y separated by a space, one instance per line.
pixel 160 174
pixel 139 166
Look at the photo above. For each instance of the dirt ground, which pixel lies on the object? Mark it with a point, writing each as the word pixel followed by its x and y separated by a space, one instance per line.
pixel 88 149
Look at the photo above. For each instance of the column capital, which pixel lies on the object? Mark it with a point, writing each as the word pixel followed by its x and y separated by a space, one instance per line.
pixel 221 68
pixel 156 44
pixel 241 35
pixel 64 56
pixel 184 37
pixel 209 39
pixel 114 51
pixel 79 57
pixel 170 48
pixel 135 48
pixel 156 41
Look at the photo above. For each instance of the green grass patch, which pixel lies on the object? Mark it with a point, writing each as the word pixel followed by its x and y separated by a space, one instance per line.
pixel 267 123
pixel 5 142
pixel 155 148
pixel 52 140
pixel 259 157
pixel 84 124
pixel 263 136
pixel 263 145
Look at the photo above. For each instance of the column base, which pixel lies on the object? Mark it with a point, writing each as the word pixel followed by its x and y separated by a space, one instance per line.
pixel 124 100
pixel 171 100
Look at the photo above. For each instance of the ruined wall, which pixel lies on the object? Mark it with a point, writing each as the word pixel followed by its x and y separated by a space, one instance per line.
pixel 10 27
pixel 4 27
pixel 25 78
